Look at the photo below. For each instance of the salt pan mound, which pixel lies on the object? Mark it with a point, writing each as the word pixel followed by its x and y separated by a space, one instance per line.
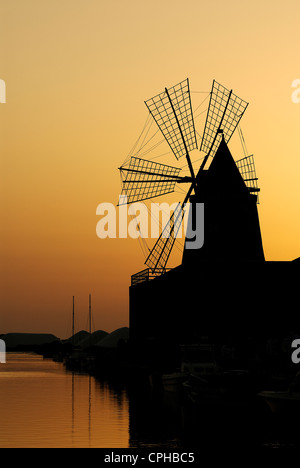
pixel 12 340
pixel 112 340
pixel 93 339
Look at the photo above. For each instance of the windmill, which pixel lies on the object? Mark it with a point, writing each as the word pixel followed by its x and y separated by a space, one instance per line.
pixel 144 179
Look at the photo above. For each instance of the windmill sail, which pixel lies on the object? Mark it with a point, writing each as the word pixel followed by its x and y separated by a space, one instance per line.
pixel 224 113
pixel 172 111
pixel 246 167
pixel 142 179
pixel 160 253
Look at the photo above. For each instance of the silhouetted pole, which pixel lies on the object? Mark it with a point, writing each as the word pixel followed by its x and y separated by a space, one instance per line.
pixel 73 322
pixel 90 318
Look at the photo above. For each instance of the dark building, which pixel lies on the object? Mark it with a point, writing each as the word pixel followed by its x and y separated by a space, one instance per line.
pixel 226 290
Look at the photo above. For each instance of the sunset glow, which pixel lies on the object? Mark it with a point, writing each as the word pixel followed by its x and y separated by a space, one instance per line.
pixel 77 75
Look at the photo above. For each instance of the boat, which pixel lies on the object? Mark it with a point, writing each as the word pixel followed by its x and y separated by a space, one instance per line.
pixel 173 382
pixel 279 402
pixel 219 391
pixel 284 401
pixel 201 392
pixel 198 359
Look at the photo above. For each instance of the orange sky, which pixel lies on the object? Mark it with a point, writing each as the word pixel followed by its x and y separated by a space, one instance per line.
pixel 77 73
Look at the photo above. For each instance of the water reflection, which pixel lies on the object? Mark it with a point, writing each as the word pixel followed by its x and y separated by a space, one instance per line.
pixel 171 421
pixel 43 405
pixel 154 421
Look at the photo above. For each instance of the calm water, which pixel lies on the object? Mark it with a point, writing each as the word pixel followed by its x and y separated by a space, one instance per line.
pixel 44 405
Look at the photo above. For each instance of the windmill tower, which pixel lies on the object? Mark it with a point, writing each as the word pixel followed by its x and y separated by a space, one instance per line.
pixel 227 188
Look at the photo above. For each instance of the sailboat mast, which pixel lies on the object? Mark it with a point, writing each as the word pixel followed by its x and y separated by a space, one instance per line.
pixel 90 318
pixel 90 313
pixel 73 322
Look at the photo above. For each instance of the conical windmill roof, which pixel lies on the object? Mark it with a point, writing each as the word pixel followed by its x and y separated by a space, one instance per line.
pixel 223 176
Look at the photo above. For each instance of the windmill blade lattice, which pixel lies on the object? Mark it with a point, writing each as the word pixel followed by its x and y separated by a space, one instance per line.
pixel 142 179
pixel 160 253
pixel 224 113
pixel 246 167
pixel 172 111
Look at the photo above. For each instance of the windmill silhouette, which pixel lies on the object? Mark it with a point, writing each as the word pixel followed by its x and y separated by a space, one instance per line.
pixel 144 179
